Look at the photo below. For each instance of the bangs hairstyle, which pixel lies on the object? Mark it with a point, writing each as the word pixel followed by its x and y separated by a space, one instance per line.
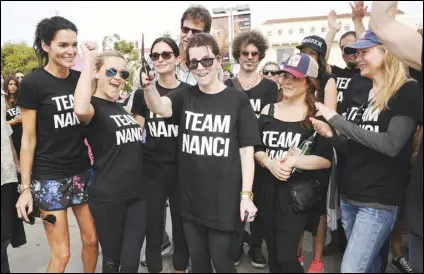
pixel 203 40
pixel 250 37
pixel 100 61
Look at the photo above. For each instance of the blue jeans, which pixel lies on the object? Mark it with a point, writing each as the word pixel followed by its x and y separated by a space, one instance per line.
pixel 366 231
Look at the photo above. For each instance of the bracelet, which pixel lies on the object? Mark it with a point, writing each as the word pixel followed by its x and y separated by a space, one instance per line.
pixel 249 195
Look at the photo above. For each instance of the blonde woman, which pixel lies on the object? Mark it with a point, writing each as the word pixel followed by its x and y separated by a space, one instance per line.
pixel 377 140
pixel 116 193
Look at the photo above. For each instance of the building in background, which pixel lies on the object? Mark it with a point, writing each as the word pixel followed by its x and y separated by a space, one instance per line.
pixel 285 34
pixel 227 23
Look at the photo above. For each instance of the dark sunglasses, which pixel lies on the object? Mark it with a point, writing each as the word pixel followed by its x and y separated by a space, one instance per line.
pixel 360 113
pixel 253 53
pixel 206 63
pixel 111 72
pixel 272 72
pixel 186 30
pixel 19 77
pixel 49 219
pixel 166 55
pixel 289 76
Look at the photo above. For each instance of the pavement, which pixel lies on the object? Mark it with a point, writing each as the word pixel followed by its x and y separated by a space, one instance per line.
pixel 34 256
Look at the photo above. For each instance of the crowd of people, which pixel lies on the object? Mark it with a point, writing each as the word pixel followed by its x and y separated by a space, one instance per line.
pixel 288 148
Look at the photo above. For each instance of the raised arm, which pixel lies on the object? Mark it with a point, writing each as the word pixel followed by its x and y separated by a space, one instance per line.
pixel 333 28
pixel 156 103
pixel 358 14
pixel 402 41
pixel 82 106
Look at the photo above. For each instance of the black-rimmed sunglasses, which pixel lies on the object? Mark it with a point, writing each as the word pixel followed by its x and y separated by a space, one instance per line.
pixel 272 72
pixel 186 30
pixel 166 55
pixel 111 72
pixel 49 219
pixel 247 53
pixel 194 64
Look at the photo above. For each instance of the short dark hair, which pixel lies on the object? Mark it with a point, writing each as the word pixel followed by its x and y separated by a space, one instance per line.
pixel 203 39
pixel 45 31
pixel 200 14
pixel 250 37
pixel 170 42
pixel 346 34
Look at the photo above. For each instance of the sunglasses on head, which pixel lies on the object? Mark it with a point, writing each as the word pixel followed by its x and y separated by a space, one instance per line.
pixel 166 55
pixel 272 72
pixel 186 30
pixel 111 72
pixel 247 53
pixel 206 63
pixel 289 76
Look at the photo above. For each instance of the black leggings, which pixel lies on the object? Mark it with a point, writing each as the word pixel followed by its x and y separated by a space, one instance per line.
pixel 158 192
pixel 121 228
pixel 205 244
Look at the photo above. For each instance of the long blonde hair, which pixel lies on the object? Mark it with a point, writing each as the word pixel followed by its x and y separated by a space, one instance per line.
pixel 100 60
pixel 395 75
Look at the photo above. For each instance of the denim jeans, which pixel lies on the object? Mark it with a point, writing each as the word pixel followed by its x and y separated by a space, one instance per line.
pixel 416 253
pixel 366 231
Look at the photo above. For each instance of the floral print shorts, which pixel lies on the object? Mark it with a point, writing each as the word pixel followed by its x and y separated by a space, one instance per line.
pixel 59 194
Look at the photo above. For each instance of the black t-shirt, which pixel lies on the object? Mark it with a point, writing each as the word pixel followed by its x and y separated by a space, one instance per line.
pixel 279 136
pixel 115 140
pixel 160 148
pixel 60 150
pixel 344 77
pixel 371 176
pixel 11 113
pixel 322 84
pixel 264 93
pixel 414 193
pixel 212 129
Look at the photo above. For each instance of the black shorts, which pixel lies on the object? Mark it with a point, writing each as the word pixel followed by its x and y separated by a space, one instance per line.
pixel 60 194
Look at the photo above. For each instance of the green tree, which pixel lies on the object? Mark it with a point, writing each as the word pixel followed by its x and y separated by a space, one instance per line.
pixel 226 67
pixel 17 56
pixel 132 57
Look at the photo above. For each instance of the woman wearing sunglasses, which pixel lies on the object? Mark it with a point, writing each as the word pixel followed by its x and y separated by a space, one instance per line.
pixel 160 159
pixel 271 70
pixel 377 140
pixel 217 132
pixel 283 126
pixel 117 197
pixel 55 167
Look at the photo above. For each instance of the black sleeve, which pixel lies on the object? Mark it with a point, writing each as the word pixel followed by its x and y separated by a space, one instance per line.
pixel 272 97
pixel 139 103
pixel 177 99
pixel 29 96
pixel 323 148
pixel 407 102
pixel 247 123
pixel 261 121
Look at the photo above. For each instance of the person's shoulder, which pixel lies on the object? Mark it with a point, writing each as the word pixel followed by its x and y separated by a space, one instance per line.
pixel 410 88
pixel 33 76
pixel 184 85
pixel 75 73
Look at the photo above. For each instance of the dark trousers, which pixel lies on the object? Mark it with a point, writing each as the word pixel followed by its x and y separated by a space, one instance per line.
pixel 206 244
pixel 257 230
pixel 121 228
pixel 158 191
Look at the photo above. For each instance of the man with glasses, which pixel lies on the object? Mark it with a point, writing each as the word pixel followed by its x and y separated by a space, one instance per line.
pixel 249 49
pixel 19 75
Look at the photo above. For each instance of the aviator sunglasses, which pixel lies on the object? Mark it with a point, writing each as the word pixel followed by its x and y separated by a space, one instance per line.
pixel 111 72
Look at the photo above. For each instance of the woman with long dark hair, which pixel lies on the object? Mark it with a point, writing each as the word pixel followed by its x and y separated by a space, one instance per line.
pixel 283 126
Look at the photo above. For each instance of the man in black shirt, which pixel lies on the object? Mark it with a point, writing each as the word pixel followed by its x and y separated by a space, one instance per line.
pixel 249 49
pixel 407 45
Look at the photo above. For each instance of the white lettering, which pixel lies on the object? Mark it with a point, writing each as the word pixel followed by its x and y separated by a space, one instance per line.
pixel 206 146
pixel 281 140
pixel 128 135
pixel 65 120
pixel 256 104
pixel 211 123
pixel 64 102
